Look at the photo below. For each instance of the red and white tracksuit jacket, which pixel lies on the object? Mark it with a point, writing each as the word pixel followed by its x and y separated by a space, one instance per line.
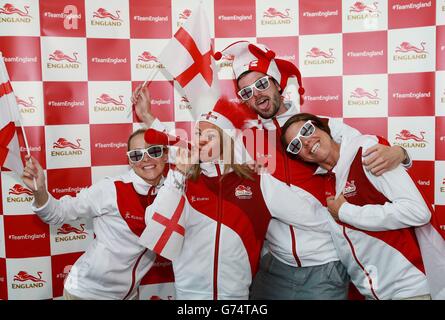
pixel 114 263
pixel 376 238
pixel 299 235
pixel 225 222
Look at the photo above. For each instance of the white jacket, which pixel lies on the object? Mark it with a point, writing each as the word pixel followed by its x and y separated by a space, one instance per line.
pixel 114 263
pixel 375 239
pixel 299 235
pixel 224 223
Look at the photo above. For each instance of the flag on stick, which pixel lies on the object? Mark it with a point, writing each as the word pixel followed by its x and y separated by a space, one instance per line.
pixel 188 57
pixel 9 116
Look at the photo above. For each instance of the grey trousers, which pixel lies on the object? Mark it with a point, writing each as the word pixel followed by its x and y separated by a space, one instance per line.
pixel 276 280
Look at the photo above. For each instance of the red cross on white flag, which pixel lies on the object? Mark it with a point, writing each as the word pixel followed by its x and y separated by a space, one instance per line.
pixel 9 115
pixel 188 57
pixel 165 230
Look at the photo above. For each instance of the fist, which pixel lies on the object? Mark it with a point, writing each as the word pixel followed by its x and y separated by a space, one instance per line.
pixel 334 205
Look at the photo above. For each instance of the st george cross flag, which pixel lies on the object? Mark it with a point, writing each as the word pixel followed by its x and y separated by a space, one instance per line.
pixel 165 220
pixel 188 57
pixel 9 114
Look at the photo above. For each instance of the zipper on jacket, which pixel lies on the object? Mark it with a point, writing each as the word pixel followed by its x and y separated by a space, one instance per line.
pixel 133 274
pixel 294 246
pixel 359 263
pixel 285 158
pixel 217 236
pixel 286 173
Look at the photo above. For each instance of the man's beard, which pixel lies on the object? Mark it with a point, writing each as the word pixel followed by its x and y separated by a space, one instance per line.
pixel 275 102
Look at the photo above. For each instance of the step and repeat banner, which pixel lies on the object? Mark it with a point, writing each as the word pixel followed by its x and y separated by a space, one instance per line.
pixel 378 65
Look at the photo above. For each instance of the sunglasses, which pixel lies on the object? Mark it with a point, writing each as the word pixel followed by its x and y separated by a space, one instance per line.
pixel 306 131
pixel 154 152
pixel 261 84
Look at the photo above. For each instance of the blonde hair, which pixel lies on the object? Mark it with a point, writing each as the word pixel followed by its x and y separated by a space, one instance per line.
pixel 242 170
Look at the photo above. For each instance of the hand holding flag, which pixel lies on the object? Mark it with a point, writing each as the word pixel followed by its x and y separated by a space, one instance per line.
pixel 33 175
pixel 165 220
pixel 142 104
pixel 9 146
pixel 9 116
pixel 34 178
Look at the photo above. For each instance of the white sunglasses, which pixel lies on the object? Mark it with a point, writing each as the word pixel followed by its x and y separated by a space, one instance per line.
pixel 306 131
pixel 154 152
pixel 261 84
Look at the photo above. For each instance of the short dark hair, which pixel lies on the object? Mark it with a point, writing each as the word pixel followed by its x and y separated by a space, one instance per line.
pixel 320 123
pixel 242 75
pixel 134 134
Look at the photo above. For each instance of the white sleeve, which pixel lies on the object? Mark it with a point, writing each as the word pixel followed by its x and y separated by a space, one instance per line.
pixel 341 131
pixel 90 202
pixel 291 204
pixel 406 209
pixel 166 203
pixel 158 125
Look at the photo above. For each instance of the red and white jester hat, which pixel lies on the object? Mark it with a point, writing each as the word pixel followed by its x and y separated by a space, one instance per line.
pixel 257 57
pixel 228 115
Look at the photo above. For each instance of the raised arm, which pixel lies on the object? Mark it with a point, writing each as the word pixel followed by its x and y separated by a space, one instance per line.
pixel 142 105
pixel 381 158
pixel 88 203
pixel 33 170
pixel 378 159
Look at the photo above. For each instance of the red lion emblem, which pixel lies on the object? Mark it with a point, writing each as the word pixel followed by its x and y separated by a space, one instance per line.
pixel 24 103
pixel 228 57
pixel 62 143
pixel 272 13
pixel 243 191
pixel 185 14
pixel 106 99
pixel 407 47
pixel 362 93
pixel 23 276
pixel 406 135
pixel 184 99
pixel 242 188
pixel 360 7
pixel 19 189
pixel 102 13
pixel 316 52
pixel 58 55
pixel 10 9
pixel 146 56
pixel 67 228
